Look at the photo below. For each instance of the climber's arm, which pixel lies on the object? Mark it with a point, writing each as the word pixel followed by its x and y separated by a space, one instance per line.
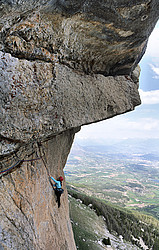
pixel 53 179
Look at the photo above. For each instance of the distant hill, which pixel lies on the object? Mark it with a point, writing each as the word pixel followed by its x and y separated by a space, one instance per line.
pixel 142 146
pixel 124 172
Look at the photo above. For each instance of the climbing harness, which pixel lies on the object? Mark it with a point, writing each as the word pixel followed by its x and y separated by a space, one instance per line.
pixel 60 190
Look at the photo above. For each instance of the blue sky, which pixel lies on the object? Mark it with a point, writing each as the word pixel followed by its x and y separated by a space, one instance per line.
pixel 143 122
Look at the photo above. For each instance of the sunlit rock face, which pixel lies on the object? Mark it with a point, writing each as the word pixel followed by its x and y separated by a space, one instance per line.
pixel 63 64
pixel 29 215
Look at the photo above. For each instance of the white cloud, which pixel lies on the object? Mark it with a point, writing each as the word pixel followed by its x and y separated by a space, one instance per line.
pixel 121 127
pixel 155 70
pixel 149 97
pixel 153 44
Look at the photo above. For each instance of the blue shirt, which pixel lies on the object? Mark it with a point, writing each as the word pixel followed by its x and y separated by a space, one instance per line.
pixel 58 183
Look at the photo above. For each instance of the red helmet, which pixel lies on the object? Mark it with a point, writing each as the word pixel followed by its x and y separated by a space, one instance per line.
pixel 61 178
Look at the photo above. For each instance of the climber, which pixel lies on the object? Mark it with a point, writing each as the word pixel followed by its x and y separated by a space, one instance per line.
pixel 57 187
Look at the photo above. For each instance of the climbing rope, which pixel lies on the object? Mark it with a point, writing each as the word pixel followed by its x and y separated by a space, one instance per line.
pixel 8 169
pixel 40 157
pixel 20 161
pixel 17 163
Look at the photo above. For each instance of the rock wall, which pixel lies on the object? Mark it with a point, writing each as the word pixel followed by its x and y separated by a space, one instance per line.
pixel 29 216
pixel 63 64
pixel 39 99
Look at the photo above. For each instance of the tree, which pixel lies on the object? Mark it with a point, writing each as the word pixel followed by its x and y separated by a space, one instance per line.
pixel 106 241
pixel 156 245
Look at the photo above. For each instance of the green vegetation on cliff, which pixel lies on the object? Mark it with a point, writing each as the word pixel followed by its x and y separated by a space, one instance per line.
pixel 132 225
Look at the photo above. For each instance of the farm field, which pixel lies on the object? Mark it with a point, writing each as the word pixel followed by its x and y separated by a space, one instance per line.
pixel 128 179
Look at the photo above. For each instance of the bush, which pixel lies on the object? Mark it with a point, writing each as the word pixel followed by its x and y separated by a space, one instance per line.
pixel 106 241
pixel 156 245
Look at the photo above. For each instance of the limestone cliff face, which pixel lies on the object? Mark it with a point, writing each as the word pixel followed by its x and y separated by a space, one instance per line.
pixel 63 64
pixel 29 217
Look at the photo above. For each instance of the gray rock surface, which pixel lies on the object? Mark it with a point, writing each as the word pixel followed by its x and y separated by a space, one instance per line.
pixel 52 50
pixel 29 216
pixel 107 37
pixel 39 99
pixel 63 64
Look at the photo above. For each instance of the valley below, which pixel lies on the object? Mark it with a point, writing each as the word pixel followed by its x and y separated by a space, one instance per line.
pixel 114 194
pixel 125 174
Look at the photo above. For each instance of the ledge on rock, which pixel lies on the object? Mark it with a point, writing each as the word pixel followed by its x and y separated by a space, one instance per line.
pixel 39 99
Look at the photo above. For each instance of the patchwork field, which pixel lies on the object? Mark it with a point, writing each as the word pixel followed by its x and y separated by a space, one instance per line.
pixel 129 179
